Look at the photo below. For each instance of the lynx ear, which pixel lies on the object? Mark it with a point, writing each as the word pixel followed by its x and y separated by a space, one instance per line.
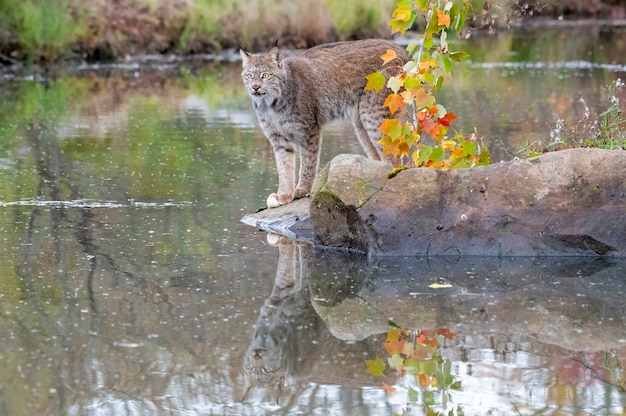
pixel 275 56
pixel 245 57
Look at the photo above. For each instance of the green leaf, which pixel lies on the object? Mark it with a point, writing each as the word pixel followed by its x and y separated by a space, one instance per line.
pixel 409 66
pixel 437 154
pixel 429 398
pixel 375 81
pixel 425 153
pixel 469 148
pixel 413 395
pixel 429 43
pixel 375 367
pixel 394 84
pixel 413 46
pixel 459 56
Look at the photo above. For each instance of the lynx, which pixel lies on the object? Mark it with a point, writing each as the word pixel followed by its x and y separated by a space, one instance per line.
pixel 294 97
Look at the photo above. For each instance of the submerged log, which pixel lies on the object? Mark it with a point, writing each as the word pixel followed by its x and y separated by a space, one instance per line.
pixel 566 203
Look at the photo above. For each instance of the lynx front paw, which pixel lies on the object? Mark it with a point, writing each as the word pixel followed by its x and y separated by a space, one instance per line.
pixel 276 200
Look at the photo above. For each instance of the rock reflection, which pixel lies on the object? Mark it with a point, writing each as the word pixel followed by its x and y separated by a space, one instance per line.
pixel 534 334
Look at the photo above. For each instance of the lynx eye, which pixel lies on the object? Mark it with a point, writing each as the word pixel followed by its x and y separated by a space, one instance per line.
pixel 248 75
pixel 265 75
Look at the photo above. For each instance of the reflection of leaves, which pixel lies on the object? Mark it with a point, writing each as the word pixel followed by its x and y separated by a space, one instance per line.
pixel 416 355
pixel 376 366
pixel 389 389
pixel 439 285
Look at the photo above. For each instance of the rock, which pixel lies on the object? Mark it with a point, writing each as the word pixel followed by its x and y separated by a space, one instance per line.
pixel 290 220
pixel 571 203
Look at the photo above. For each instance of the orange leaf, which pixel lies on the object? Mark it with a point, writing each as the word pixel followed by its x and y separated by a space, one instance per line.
pixel 389 389
pixel 443 19
pixel 424 380
pixel 396 148
pixel 394 347
pixel 395 102
pixel 425 64
pixel 392 128
pixel 390 55
pixel 446 333
pixel 427 125
pixel 447 119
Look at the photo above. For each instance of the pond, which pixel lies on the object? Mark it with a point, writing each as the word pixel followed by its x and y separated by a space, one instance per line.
pixel 128 285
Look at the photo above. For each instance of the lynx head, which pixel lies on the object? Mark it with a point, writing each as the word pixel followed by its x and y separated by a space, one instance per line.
pixel 262 74
pixel 266 363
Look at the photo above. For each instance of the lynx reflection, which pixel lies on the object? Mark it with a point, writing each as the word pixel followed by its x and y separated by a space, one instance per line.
pixel 286 321
pixel 295 346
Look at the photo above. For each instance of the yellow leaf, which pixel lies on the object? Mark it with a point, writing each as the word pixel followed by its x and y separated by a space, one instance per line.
pixel 375 367
pixel 439 285
pixel 375 81
pixel 402 14
pixel 390 55
pixel 448 144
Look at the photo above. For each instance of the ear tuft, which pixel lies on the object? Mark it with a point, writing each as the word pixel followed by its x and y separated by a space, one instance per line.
pixel 245 57
pixel 275 56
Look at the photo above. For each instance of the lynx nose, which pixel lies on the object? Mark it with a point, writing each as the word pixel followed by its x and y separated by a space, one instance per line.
pixel 256 87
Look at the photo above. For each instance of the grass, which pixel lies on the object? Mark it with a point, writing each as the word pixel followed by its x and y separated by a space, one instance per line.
pixel 38 29
pixel 606 130
pixel 41 31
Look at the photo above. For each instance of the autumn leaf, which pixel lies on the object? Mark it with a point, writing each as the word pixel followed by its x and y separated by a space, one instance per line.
pixel 447 119
pixel 446 333
pixel 443 19
pixel 427 125
pixel 448 144
pixel 396 362
pixel 389 56
pixel 389 389
pixel 394 147
pixel 402 17
pixel 439 286
pixel 375 81
pixel 425 64
pixel 395 102
pixel 375 367
pixel 392 128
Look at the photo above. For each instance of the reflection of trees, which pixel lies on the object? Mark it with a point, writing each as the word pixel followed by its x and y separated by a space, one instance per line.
pixel 108 314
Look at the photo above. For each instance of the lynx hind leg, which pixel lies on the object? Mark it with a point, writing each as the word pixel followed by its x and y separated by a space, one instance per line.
pixel 371 115
pixel 370 148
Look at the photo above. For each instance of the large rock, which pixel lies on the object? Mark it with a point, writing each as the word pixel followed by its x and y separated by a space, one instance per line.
pixel 569 202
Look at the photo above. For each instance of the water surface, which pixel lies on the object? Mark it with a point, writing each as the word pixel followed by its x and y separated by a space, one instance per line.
pixel 129 286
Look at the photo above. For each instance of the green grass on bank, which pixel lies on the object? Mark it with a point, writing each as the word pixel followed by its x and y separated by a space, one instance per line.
pixel 40 31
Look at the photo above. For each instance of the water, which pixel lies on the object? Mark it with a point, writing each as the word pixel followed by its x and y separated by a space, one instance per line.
pixel 129 286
